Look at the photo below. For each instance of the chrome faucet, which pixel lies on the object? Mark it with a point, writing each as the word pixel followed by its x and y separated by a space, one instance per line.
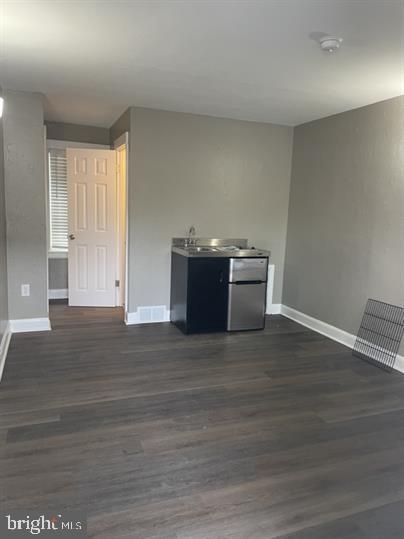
pixel 190 239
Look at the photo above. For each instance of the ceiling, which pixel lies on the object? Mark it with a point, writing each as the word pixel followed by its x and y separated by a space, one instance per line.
pixel 246 59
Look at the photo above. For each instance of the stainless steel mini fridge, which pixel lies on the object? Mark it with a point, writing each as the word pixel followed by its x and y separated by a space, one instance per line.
pixel 247 293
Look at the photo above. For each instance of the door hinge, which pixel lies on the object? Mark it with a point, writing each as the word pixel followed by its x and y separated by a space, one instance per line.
pixel 117 283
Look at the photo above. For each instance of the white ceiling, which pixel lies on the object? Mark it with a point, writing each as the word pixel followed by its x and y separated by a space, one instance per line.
pixel 254 60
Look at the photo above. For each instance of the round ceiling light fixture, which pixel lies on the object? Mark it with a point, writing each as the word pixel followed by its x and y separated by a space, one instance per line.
pixel 330 44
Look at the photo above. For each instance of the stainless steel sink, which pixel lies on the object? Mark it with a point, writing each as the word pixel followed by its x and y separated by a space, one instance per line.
pixel 195 249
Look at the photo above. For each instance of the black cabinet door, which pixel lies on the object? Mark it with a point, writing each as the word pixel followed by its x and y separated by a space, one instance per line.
pixel 207 294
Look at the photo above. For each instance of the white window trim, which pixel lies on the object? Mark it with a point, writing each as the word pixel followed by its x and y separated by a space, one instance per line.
pixel 63 145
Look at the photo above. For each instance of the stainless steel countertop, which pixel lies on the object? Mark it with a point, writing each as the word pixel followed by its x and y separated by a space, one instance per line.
pixel 207 252
pixel 209 242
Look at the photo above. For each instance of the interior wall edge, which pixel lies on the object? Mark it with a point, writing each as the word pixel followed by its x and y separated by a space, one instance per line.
pixel 4 310
pixel 120 126
pixel 4 345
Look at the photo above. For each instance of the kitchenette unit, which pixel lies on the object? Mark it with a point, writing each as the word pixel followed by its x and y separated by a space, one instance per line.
pixel 217 285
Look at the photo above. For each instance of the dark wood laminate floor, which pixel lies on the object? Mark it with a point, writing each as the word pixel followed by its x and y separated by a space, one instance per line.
pixel 259 435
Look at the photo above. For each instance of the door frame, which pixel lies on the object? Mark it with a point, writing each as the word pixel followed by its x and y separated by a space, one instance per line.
pixel 123 142
pixel 51 144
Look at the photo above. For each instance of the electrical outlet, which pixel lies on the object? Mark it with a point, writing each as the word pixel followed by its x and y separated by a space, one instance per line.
pixel 25 290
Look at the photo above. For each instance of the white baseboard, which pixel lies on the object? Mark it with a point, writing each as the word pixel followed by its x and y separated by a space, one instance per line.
pixel 399 364
pixel 148 315
pixel 332 332
pixel 273 308
pixel 58 293
pixel 4 344
pixel 29 324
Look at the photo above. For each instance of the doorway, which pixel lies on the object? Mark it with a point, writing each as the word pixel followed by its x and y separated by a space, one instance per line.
pixel 95 252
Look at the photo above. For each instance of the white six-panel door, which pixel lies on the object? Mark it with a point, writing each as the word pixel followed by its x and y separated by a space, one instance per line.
pixel 91 188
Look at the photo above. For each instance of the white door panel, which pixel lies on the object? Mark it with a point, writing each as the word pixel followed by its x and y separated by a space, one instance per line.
pixel 91 185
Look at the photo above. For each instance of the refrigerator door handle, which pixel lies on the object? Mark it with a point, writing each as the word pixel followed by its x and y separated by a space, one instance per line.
pixel 248 282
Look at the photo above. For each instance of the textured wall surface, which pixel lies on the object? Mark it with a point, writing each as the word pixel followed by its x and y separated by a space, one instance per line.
pixel 3 244
pixel 229 178
pixel 24 151
pixel 346 215
pixel 77 133
pixel 58 273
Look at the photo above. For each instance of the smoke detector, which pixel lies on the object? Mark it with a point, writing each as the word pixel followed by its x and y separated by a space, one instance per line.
pixel 330 44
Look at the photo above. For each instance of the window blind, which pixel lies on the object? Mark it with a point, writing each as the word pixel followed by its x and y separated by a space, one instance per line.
pixel 58 200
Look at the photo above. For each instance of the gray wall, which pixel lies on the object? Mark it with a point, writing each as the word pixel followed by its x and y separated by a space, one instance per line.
pixel 77 133
pixel 346 215
pixel 58 274
pixel 120 126
pixel 3 244
pixel 25 204
pixel 227 177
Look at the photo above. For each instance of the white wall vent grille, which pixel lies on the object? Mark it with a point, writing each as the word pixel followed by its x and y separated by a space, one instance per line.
pixel 145 315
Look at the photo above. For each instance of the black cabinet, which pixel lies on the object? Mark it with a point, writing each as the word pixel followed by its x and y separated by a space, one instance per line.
pixel 199 293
